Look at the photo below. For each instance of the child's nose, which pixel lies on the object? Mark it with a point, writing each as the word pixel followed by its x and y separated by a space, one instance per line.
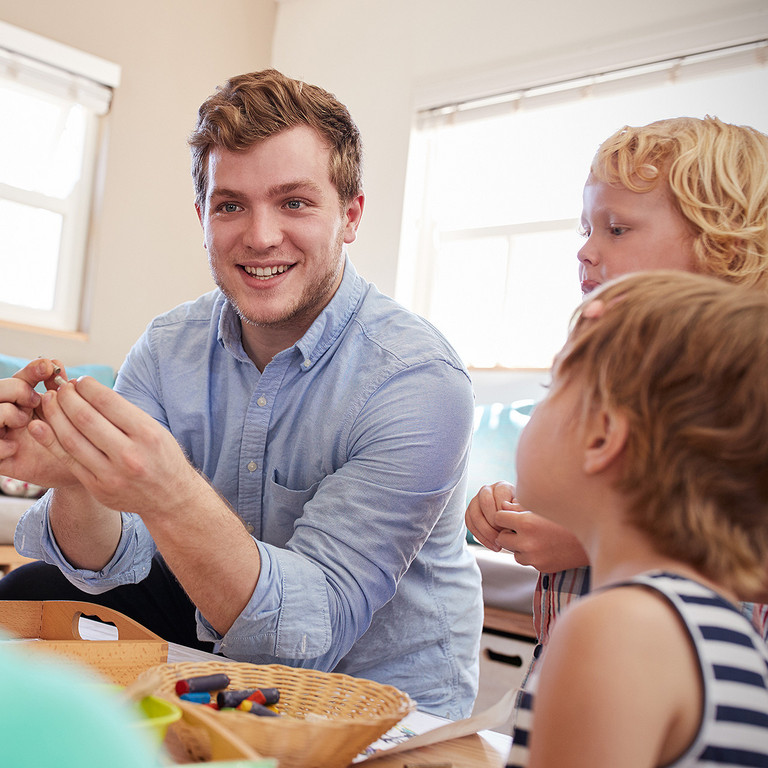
pixel 588 254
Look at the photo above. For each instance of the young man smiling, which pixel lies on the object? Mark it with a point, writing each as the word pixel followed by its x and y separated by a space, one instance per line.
pixel 291 447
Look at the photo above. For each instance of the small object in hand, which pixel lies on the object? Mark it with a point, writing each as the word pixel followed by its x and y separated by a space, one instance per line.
pixel 208 683
pixel 58 379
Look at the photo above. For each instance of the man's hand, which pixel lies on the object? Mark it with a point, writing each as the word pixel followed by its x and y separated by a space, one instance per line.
pixel 122 456
pixel 21 456
pixel 126 461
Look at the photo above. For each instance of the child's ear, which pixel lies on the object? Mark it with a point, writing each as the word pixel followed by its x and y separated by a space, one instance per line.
pixel 605 440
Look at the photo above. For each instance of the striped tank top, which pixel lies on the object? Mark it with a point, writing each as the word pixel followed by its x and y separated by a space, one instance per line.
pixel 734 664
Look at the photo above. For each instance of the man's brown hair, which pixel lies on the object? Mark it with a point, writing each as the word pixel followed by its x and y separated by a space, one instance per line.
pixel 252 107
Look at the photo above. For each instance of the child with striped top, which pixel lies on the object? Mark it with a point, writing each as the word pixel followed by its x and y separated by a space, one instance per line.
pixel 656 421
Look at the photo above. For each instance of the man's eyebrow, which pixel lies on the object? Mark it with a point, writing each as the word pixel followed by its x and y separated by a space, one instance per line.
pixel 224 192
pixel 290 187
pixel 287 188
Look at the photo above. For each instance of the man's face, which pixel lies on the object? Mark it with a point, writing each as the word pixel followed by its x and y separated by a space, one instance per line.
pixel 630 232
pixel 274 230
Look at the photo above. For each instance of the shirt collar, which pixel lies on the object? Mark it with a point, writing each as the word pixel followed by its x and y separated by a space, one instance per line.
pixel 320 335
pixel 333 319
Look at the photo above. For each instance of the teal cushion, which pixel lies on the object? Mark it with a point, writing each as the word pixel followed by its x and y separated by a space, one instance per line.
pixel 103 373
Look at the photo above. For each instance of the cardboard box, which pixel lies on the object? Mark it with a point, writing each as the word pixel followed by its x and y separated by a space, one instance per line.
pixel 52 626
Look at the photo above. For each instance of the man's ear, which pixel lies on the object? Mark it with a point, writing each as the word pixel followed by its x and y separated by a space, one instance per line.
pixel 199 212
pixel 353 213
pixel 605 439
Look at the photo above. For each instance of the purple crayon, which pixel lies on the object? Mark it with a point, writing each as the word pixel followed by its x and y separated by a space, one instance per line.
pixel 204 683
pixel 265 696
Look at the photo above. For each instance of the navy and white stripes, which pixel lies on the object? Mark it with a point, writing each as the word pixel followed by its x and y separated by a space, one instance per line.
pixel 734 665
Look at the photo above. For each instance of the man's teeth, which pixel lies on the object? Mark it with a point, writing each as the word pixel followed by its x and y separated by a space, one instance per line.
pixel 264 273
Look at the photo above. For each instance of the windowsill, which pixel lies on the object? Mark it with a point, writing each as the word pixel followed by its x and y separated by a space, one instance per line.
pixel 43 331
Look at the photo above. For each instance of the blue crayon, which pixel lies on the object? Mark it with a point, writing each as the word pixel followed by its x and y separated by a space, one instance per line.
pixel 201 697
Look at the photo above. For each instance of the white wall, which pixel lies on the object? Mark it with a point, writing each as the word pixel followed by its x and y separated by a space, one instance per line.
pixel 146 253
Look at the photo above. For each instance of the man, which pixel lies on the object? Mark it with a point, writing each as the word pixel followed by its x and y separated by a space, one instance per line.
pixel 335 423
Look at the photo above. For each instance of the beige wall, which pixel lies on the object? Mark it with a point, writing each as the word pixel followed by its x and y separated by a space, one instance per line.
pixel 147 253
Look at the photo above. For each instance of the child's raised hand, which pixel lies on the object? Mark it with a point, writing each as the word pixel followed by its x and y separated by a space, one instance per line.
pixel 481 513
pixel 536 541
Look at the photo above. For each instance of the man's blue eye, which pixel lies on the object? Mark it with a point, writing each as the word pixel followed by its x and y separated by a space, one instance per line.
pixel 294 205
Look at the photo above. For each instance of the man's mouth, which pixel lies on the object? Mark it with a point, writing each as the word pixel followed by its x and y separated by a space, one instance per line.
pixel 265 273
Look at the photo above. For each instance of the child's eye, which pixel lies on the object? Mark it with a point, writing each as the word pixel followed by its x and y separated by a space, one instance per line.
pixel 618 231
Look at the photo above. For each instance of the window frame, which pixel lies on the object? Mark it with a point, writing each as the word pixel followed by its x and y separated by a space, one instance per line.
pixel 420 235
pixel 62 74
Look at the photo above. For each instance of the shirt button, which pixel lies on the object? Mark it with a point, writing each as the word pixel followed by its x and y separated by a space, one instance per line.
pixel 252 466
pixel 262 401
pixel 307 363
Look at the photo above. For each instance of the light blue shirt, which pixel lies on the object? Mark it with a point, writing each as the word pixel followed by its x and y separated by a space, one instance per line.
pixel 346 460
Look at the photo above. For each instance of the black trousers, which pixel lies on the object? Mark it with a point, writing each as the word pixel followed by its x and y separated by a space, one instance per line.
pixel 157 603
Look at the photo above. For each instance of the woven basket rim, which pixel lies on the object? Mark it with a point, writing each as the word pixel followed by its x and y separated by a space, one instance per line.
pixel 403 704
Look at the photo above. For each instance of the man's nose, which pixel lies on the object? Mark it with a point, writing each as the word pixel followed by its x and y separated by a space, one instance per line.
pixel 263 231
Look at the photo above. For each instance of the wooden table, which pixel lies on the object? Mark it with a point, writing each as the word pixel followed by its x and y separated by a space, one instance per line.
pixel 486 750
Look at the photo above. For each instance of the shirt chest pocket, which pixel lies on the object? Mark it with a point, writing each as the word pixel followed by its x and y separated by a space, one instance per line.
pixel 282 507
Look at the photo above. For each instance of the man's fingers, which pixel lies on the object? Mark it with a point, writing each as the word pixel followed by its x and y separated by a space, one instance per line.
pixel 108 404
pixel 63 438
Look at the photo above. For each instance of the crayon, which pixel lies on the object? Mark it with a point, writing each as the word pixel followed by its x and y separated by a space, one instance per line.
pixel 256 709
pixel 259 695
pixel 204 683
pixel 201 697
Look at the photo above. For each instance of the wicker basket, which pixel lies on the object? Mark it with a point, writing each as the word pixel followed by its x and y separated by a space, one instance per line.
pixel 326 720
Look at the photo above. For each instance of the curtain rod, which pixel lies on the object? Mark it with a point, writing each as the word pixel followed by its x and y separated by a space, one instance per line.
pixel 759 47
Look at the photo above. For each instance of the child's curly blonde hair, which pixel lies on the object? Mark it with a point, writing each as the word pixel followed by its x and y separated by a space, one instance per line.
pixel 717 174
pixel 685 358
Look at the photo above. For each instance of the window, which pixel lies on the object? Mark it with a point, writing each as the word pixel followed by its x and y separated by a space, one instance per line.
pixel 493 195
pixel 51 100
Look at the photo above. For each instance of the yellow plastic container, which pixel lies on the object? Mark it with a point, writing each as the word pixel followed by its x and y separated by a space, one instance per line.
pixel 157 714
